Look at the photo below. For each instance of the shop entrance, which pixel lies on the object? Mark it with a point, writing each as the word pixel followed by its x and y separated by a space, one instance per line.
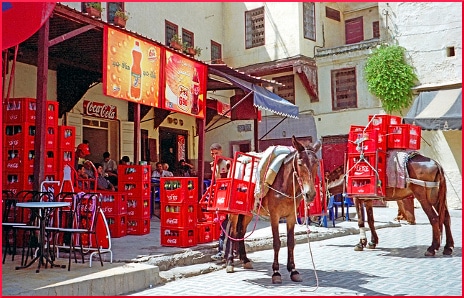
pixel 173 146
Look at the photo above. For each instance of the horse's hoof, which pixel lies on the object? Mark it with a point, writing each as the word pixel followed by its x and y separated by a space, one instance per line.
pixel 371 245
pixel 276 278
pixel 247 265
pixel 358 247
pixel 447 251
pixel 229 269
pixel 295 276
pixel 429 253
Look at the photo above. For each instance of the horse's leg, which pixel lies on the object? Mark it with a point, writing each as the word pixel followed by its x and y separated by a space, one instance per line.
pixel 408 210
pixel 362 230
pixel 422 193
pixel 294 274
pixel 370 220
pixel 242 224
pixel 448 250
pixel 276 277
pixel 230 243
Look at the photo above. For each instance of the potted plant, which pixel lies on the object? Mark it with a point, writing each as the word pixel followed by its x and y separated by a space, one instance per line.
pixel 189 50
pixel 94 9
pixel 198 51
pixel 120 18
pixel 176 42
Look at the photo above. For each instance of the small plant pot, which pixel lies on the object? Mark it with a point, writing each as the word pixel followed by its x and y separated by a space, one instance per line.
pixel 118 21
pixel 93 12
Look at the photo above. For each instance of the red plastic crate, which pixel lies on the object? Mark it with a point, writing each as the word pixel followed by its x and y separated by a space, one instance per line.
pixel 138 226
pixel 67 137
pixel 365 186
pixel 357 128
pixel 129 173
pixel 138 207
pixel 205 232
pixel 64 157
pixel 398 136
pixel 19 110
pixel 372 162
pixel 113 203
pixel 212 216
pixel 51 137
pixel 178 189
pixel 415 133
pixel 17 181
pixel 18 159
pixel 180 215
pixel 117 225
pixel 52 113
pixel 178 237
pixel 365 141
pixel 233 196
pixel 134 189
pixel 19 135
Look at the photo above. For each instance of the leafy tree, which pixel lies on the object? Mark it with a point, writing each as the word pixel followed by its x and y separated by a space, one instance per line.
pixel 390 78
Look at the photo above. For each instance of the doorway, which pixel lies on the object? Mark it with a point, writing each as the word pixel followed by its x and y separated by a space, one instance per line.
pixel 173 146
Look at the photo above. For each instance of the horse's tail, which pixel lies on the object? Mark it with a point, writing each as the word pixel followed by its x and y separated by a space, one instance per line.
pixel 441 202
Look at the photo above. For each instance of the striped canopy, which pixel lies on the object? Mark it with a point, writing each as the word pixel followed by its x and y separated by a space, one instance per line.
pixel 437 110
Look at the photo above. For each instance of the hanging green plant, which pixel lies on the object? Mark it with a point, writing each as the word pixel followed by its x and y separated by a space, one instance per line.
pixel 390 78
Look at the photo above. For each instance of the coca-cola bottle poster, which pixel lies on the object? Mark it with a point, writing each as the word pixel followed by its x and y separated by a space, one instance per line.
pixel 185 87
pixel 132 68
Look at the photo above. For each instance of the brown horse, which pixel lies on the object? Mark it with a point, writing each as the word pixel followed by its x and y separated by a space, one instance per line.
pixel 294 180
pixel 427 183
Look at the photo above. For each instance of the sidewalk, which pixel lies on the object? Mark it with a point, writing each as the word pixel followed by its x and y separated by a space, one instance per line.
pixel 140 262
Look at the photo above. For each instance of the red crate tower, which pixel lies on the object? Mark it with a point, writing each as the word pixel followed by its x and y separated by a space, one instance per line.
pixel 18 148
pixel 134 181
pixel 179 203
pixel 114 205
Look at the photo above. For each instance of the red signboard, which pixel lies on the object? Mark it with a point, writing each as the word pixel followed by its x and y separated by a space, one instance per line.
pixel 131 68
pixel 185 88
pixel 100 110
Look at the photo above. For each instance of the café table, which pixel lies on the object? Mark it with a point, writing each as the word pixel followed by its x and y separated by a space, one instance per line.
pixel 43 210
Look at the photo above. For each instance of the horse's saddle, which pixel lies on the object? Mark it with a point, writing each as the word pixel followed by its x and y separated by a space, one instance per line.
pixel 397 172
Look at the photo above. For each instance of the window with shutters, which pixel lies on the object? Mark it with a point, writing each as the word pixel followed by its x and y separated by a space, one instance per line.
pixel 187 37
pixel 288 90
pixel 354 30
pixel 170 29
pixel 254 28
pixel 112 7
pixel 309 20
pixel 331 13
pixel 344 95
pixel 375 29
pixel 216 52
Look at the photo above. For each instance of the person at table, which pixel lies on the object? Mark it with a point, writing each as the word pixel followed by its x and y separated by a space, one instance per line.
pixel 102 182
pixel 125 160
pixel 159 171
pixel 110 168
pixel 166 168
pixel 184 168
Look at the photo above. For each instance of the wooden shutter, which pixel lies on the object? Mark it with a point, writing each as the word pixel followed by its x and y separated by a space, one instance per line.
pixel 354 31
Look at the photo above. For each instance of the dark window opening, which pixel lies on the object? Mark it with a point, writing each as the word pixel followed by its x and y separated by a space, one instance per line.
pixel 111 8
pixel 344 95
pixel 216 53
pixel 376 29
pixel 254 28
pixel 450 52
pixel 171 29
pixel 187 38
pixel 288 90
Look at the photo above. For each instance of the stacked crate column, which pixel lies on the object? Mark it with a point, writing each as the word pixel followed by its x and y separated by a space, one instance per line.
pixel 114 205
pixel 135 182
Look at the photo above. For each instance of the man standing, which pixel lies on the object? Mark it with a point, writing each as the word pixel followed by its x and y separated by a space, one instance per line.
pixel 110 168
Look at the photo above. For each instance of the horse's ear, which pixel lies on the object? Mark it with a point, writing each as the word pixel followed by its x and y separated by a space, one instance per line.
pixel 297 145
pixel 317 146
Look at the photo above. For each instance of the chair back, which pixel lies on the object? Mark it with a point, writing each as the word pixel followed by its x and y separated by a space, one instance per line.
pixel 84 215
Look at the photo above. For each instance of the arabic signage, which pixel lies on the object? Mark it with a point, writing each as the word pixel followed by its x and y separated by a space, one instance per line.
pixel 185 88
pixel 132 68
pixel 100 110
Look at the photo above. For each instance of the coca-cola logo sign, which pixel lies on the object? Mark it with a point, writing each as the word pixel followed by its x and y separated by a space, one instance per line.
pixel 100 110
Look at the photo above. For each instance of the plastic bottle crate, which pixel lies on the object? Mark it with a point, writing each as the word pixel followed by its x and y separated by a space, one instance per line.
pixel 178 189
pixel 382 122
pixel 138 226
pixel 18 159
pixel 137 173
pixel 138 207
pixel 64 157
pixel 205 232
pixel 67 137
pixel 233 196
pixel 398 136
pixel 19 135
pixel 415 133
pixel 17 181
pixel 373 162
pixel 178 237
pixel 179 215
pixel 365 186
pixel 113 203
pixel 212 216
pixel 365 141
pixel 134 189
pixel 117 225
pixel 19 110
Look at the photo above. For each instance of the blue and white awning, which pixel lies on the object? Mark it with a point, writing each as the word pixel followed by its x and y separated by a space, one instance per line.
pixel 437 110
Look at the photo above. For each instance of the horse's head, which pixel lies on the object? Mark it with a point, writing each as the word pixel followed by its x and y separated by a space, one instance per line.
pixel 305 165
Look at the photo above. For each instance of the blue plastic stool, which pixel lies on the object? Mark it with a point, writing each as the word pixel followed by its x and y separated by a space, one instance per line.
pixel 333 207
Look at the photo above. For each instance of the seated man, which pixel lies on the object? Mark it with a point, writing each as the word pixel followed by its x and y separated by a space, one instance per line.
pixel 102 183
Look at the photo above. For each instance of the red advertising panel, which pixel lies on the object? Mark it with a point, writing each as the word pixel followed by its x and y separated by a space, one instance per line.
pixel 132 68
pixel 185 88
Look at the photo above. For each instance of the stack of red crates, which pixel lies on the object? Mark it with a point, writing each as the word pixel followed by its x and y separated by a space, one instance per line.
pixel 134 181
pixel 114 205
pixel 18 147
pixel 179 203
pixel 367 152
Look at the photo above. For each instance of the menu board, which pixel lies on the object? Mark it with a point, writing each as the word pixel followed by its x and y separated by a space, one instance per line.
pixel 131 68
pixel 185 87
